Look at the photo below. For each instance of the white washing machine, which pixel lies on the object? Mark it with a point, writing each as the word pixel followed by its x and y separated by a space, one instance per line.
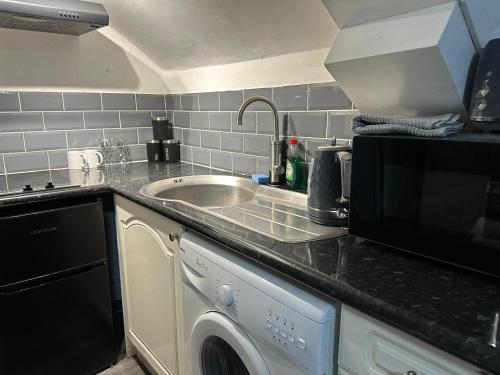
pixel 242 320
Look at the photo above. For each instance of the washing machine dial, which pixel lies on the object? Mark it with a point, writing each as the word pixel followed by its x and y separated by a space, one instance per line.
pixel 225 295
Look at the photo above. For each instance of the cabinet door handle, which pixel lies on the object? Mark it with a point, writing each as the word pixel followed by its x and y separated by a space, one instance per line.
pixel 174 236
pixel 409 373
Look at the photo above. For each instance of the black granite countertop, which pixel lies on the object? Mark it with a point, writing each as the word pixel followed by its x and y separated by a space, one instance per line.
pixel 445 306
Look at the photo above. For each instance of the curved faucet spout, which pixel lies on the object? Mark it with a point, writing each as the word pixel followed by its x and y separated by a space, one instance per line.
pixel 271 105
pixel 277 170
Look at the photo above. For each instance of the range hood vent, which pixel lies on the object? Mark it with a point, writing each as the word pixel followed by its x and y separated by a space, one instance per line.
pixel 72 17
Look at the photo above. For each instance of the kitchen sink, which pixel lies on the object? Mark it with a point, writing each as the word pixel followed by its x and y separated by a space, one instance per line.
pixel 204 191
pixel 274 212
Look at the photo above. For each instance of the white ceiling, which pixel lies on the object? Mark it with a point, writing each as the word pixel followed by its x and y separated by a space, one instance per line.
pixel 182 34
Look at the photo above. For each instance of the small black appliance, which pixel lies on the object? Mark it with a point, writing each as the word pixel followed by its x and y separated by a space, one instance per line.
pixel 485 101
pixel 430 196
pixel 328 186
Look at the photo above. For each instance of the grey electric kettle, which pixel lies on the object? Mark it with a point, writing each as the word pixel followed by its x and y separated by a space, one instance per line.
pixel 329 185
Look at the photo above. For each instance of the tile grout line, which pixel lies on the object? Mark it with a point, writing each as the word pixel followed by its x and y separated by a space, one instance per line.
pixel 5 171
pixel 67 143
pixel 19 100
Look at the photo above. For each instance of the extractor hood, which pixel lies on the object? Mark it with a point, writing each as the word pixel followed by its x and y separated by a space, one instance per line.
pixel 72 17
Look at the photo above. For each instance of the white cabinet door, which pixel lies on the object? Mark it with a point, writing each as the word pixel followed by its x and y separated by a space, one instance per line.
pixel 370 347
pixel 148 273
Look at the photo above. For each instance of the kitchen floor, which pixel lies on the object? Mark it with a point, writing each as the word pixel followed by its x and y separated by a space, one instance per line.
pixel 127 366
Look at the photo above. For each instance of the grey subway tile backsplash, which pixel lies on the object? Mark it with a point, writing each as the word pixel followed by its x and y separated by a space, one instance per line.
pixel 178 134
pixel 191 137
pixel 232 142
pixel 137 152
pixel 11 143
pixel 258 106
pixel 307 124
pixel 259 145
pixel 182 119
pixel 131 119
pixel 200 120
pixel 210 140
pixel 37 128
pixel 58 158
pixel 28 161
pixel 41 101
pixel 159 114
pixel 249 122
pixel 290 98
pixel 231 100
pixel 201 156
pixel 328 96
pixel 112 101
pixel 263 165
pixel 189 102
pixel 209 101
pixel 63 120
pixel 150 101
pixel 82 101
pixel 173 101
pixel 19 122
pixel 36 179
pixel 84 138
pixel 145 134
pixel 9 101
pixel 265 122
pixel 340 126
pixel 221 160
pixel 244 164
pixel 129 135
pixel 3 183
pixel 186 154
pixel 101 120
pixel 304 111
pixel 220 121
pixel 45 140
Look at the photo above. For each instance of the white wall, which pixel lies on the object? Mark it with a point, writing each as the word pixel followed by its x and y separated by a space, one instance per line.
pixel 296 68
pixel 98 61
pixel 483 17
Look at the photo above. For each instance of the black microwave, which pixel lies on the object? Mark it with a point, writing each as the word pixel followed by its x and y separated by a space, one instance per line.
pixel 439 198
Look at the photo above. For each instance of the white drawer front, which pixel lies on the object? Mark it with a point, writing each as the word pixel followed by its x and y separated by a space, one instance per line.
pixel 370 347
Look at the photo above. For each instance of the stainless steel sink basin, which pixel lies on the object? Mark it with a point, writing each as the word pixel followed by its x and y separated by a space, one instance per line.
pixel 277 213
pixel 204 191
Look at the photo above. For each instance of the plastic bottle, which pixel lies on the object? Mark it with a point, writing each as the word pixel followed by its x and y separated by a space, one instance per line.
pixel 296 167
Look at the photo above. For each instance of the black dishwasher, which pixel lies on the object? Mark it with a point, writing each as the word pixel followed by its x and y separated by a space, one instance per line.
pixel 55 303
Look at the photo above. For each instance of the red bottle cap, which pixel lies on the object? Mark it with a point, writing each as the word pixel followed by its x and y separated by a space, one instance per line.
pixel 293 141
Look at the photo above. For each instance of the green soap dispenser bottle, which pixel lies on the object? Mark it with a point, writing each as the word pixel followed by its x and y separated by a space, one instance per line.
pixel 296 167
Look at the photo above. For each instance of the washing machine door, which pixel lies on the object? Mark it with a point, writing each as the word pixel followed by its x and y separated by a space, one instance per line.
pixel 220 347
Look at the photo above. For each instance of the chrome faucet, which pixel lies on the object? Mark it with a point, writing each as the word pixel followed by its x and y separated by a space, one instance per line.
pixel 277 170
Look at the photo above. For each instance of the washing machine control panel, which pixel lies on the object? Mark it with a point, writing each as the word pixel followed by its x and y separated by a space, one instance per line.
pixel 303 341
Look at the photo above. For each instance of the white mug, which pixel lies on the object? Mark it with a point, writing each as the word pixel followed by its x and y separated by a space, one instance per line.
pixel 93 158
pixel 76 160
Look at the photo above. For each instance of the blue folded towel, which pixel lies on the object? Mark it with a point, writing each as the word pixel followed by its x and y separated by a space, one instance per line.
pixel 437 126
